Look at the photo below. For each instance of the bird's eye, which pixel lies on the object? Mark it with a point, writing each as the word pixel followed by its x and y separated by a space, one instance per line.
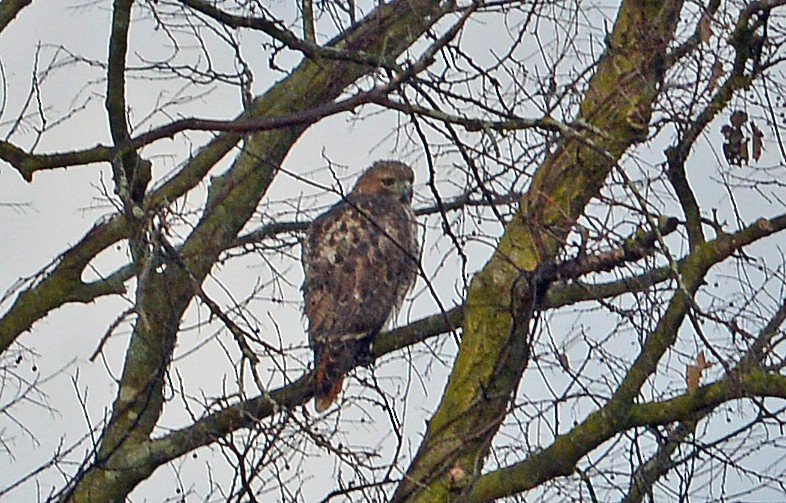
pixel 387 182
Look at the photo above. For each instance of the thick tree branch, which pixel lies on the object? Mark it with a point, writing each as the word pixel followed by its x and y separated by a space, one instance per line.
pixel 28 163
pixel 495 344
pixel 116 71
pixel 645 476
pixel 761 347
pixel 131 173
pixel 9 10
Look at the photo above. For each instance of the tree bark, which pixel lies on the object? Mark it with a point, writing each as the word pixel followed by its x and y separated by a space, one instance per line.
pixel 504 295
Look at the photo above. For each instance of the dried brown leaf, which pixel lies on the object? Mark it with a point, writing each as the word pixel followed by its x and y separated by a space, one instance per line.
pixel 758 141
pixel 705 29
pixel 564 361
pixel 693 372
pixel 738 118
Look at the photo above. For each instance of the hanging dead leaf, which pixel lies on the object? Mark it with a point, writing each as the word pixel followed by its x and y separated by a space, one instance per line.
pixel 758 141
pixel 705 28
pixel 744 151
pixel 563 360
pixel 738 118
pixel 734 149
pixel 693 372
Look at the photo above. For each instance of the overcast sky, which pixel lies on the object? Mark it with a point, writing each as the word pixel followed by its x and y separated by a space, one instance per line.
pixel 59 206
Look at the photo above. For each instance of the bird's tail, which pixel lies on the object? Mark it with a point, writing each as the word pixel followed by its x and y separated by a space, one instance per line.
pixel 327 382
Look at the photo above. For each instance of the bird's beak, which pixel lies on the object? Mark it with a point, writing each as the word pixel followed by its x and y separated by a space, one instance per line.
pixel 406 194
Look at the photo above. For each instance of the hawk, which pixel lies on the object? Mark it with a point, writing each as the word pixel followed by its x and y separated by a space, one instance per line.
pixel 360 260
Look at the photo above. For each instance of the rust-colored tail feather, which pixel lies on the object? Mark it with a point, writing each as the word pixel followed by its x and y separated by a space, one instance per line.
pixel 327 383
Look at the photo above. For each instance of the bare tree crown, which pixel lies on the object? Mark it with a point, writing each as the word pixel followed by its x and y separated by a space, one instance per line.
pixel 600 297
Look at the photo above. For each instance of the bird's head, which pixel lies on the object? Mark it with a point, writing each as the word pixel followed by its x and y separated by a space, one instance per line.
pixel 387 178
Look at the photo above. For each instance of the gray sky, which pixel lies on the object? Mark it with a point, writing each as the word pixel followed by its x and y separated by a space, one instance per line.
pixel 60 206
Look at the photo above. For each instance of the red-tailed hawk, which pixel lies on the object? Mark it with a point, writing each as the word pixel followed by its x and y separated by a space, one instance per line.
pixel 360 260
